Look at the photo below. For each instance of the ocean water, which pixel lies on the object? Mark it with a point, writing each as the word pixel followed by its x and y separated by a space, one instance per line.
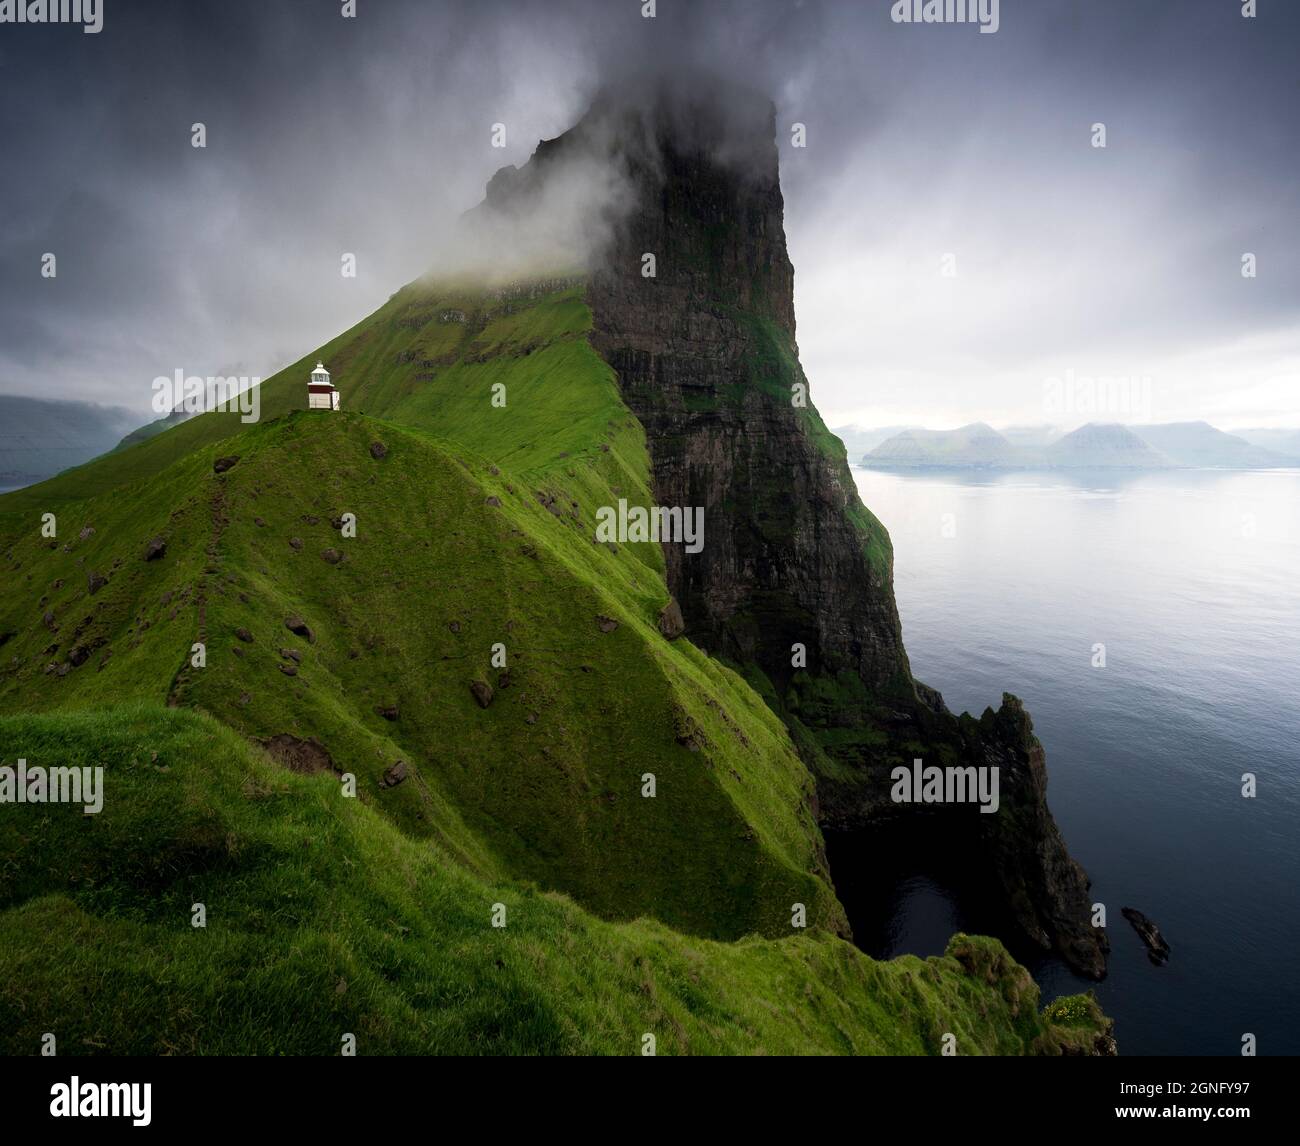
pixel 1191 581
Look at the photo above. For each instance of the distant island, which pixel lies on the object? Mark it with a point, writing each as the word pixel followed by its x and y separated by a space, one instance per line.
pixel 1096 445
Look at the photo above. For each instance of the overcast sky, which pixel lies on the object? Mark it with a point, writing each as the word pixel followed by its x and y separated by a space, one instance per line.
pixel 328 135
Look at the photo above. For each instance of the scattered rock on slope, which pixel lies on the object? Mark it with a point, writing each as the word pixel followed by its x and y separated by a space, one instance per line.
pixel 296 624
pixel 297 755
pixel 671 623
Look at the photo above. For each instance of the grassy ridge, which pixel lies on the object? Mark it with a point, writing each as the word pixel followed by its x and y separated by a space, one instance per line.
pixel 456 554
pixel 414 361
pixel 474 534
pixel 324 919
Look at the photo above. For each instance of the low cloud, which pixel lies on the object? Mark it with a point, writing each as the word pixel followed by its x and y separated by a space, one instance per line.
pixel 921 141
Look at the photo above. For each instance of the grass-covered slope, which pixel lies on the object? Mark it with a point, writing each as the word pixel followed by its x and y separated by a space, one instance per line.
pixel 497 683
pixel 550 773
pixel 323 919
pixel 462 560
pixel 428 358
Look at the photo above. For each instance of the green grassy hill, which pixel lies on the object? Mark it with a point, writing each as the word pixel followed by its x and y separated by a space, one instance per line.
pixel 380 656
pixel 324 919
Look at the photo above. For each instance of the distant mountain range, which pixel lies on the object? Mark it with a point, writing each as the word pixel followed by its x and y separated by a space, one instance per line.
pixel 858 441
pixel 1104 446
pixel 40 437
pixel 1280 441
pixel 153 429
pixel 1093 446
pixel 974 445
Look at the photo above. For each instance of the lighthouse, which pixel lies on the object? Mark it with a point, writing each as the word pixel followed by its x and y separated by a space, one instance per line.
pixel 321 394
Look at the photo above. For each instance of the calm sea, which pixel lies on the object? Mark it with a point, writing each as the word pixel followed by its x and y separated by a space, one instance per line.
pixel 1191 581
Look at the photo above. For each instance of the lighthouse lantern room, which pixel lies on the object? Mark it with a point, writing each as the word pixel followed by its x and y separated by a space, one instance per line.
pixel 321 393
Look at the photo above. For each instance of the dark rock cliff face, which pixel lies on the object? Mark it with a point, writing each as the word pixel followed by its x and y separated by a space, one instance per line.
pixel 794 581
pixel 705 356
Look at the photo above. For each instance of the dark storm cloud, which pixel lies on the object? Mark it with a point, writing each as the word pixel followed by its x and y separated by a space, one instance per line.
pixel 371 135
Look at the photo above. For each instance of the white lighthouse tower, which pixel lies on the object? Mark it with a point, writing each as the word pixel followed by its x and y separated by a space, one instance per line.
pixel 321 394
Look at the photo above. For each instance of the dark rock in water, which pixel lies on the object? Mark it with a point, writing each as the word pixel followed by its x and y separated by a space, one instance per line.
pixel 378 450
pixel 388 711
pixel 671 623
pixel 95 582
pixel 394 775
pixel 482 692
pixel 606 624
pixel 221 465
pixel 1157 948
pixel 155 549
pixel 296 624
